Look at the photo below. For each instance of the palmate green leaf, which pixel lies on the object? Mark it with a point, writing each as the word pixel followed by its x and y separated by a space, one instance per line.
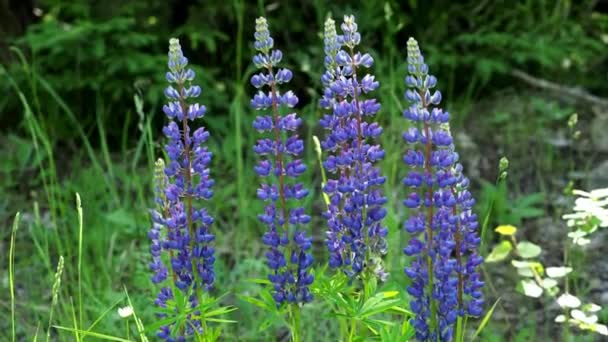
pixel 336 291
pixel 499 252
pixel 265 325
pixel 378 307
pixel 407 330
pixel 269 300
pixel 376 325
pixel 337 283
pixel 397 332
pixel 400 310
pixel 220 320
pixel 370 287
pixel 341 301
pixel 257 302
pixel 371 303
pixel 526 203
pixel 379 322
pixel 212 334
pixel 220 311
pixel 261 281
pixel 173 319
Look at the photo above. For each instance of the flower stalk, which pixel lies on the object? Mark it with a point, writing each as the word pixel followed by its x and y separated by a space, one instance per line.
pixel 446 285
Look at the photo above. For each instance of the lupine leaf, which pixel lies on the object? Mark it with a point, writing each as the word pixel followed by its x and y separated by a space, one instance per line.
pixel 256 302
pixel 259 281
pixel 379 307
pixel 220 320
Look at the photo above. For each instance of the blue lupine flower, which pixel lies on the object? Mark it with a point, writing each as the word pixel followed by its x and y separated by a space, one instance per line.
pixel 289 254
pixel 185 182
pixel 356 236
pixel 445 281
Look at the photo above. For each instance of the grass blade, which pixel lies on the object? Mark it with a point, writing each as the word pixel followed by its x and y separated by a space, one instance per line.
pixel 80 237
pixel 485 320
pixel 75 330
pixel 140 327
pixel 103 314
pixel 11 275
pixel 93 334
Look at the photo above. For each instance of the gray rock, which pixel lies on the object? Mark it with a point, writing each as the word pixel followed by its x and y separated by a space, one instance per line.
pixel 599 133
pixel 598 177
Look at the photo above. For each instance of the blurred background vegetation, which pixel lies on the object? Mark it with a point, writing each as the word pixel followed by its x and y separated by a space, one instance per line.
pixel 81 112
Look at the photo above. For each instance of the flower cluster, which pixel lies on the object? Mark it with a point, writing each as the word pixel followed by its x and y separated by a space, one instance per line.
pixel 279 166
pixel 183 182
pixel 445 281
pixel 355 236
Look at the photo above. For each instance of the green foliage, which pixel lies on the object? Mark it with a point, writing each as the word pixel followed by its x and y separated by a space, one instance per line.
pixel 510 211
pixel 69 124
pixel 536 280
pixel 363 306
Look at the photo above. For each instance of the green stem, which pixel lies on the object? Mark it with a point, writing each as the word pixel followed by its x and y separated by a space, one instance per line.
pixel 11 275
pixel 294 312
pixel 459 337
pixel 343 326
pixel 353 329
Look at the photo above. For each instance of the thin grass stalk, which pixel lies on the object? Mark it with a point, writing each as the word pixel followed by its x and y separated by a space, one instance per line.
pixel 80 239
pixel 11 275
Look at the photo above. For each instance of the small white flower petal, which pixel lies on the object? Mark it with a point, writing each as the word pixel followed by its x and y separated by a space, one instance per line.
pixel 568 301
pixel 125 312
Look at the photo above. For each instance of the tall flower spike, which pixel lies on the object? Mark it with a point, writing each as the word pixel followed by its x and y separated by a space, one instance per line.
pixel 184 183
pixel 445 281
pixel 279 166
pixel 355 237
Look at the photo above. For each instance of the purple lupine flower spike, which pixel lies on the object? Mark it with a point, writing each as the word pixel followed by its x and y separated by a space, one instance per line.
pixel 185 183
pixel 445 281
pixel 355 236
pixel 289 256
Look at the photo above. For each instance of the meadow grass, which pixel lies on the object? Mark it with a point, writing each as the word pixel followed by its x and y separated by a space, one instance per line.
pixel 72 262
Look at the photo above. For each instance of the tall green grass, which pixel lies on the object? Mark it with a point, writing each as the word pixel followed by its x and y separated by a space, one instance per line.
pixel 75 265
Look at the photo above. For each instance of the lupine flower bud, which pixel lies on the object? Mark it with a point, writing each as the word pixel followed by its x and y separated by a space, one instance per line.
pixel 180 226
pixel 443 244
pixel 289 256
pixel 355 236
